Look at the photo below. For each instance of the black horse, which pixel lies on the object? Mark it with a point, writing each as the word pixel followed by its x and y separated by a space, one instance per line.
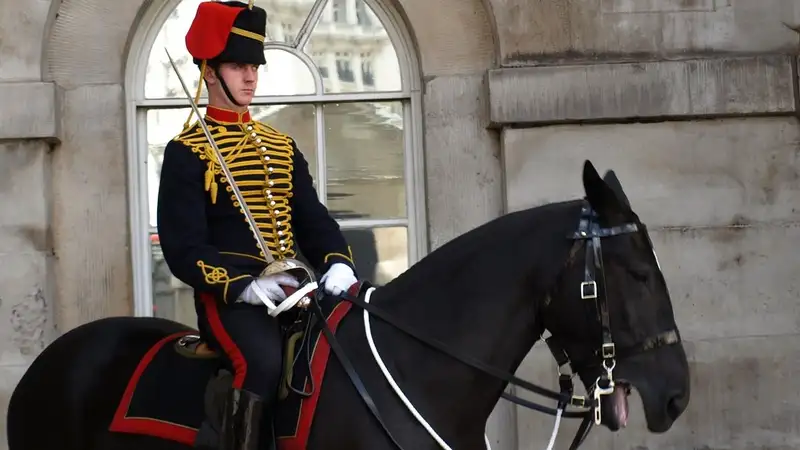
pixel 487 296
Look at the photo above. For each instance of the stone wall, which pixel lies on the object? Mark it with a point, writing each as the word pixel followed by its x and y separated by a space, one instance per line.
pixel 515 94
pixel 694 105
pixel 29 131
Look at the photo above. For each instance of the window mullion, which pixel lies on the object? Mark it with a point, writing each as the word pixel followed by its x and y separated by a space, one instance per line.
pixel 308 26
pixel 322 177
pixel 142 252
pixel 370 224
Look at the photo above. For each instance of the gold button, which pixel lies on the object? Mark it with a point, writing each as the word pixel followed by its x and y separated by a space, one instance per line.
pixel 271 183
pixel 263 149
pixel 280 233
pixel 258 140
pixel 266 158
pixel 270 170
pixel 278 223
pixel 249 128
pixel 253 134
pixel 283 249
pixel 272 203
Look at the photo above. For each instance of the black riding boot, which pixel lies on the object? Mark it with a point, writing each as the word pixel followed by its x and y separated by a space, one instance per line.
pixel 241 421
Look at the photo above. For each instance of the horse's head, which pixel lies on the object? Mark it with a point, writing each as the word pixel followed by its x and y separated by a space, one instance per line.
pixel 611 312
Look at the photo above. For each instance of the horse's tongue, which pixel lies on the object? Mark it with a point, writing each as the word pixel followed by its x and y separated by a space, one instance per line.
pixel 619 401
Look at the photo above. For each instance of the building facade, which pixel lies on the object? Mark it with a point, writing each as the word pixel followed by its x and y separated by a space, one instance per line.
pixel 421 120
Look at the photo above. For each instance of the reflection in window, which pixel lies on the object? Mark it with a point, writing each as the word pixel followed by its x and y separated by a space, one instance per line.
pixel 365 160
pixel 339 11
pixel 363 14
pixel 343 69
pixel 346 45
pixel 380 254
pixel 366 71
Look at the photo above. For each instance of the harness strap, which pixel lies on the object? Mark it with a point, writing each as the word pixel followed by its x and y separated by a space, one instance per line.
pixel 351 371
pixel 508 378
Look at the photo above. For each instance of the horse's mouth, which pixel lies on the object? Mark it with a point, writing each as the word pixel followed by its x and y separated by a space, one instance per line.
pixel 618 402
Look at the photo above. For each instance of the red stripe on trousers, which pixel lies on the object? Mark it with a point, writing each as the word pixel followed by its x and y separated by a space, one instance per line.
pixel 224 339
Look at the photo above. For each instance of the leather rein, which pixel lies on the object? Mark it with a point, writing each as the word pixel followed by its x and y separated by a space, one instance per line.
pixel 588 232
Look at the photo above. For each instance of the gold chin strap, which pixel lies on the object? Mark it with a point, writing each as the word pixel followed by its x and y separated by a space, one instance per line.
pixel 197 94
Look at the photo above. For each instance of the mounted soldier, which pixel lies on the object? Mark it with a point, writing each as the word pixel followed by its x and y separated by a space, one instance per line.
pixel 206 233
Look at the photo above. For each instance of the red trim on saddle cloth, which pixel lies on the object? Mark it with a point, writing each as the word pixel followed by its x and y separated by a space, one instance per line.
pixel 319 362
pixel 138 425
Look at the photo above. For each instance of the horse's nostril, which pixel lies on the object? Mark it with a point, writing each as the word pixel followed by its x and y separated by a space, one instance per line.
pixel 676 405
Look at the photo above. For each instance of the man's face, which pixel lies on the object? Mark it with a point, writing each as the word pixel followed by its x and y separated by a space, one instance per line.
pixel 241 79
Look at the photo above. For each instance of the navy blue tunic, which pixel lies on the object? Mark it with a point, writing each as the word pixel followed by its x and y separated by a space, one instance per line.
pixel 205 237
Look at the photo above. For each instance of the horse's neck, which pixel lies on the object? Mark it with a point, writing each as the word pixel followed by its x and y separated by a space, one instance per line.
pixel 488 311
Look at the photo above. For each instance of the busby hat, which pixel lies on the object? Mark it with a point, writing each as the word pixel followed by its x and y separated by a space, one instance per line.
pixel 227 32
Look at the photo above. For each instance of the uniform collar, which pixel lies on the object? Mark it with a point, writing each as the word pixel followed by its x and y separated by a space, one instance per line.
pixel 226 116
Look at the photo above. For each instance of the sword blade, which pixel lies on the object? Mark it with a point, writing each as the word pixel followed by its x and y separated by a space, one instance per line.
pixel 231 182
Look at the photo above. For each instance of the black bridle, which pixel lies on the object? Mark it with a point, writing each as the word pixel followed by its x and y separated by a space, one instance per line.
pixel 590 232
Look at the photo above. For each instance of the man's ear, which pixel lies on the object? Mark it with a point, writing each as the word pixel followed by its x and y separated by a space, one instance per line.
pixel 209 76
pixel 601 196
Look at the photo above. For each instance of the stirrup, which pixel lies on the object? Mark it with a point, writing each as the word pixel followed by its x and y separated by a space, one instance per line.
pixel 241 421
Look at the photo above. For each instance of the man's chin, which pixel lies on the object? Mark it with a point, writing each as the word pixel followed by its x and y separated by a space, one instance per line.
pixel 246 98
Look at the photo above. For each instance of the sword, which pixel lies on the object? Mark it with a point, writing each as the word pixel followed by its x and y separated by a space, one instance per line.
pixel 231 182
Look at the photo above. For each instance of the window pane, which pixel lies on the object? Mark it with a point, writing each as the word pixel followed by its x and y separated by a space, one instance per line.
pixel 352 49
pixel 298 121
pixel 283 74
pixel 365 160
pixel 380 254
pixel 160 80
pixel 284 18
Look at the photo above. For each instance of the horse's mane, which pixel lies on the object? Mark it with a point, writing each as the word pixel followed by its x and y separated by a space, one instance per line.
pixel 495 242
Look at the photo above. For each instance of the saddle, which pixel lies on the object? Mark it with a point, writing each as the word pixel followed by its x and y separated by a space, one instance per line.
pixel 295 325
pixel 193 371
pixel 194 346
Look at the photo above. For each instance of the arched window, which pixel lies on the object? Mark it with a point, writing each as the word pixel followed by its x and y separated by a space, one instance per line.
pixel 341 79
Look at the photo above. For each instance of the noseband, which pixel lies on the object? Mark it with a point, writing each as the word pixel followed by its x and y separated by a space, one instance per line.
pixel 590 232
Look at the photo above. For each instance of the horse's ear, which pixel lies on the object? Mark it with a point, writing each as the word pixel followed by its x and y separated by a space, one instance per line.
pixel 613 182
pixel 600 195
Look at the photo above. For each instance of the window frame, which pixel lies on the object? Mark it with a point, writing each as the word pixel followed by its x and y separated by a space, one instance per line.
pixel 137 105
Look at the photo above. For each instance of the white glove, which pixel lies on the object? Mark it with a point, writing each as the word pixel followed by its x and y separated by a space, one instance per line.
pixel 338 279
pixel 267 290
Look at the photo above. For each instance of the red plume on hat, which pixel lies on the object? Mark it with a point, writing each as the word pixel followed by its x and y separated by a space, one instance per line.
pixel 227 32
